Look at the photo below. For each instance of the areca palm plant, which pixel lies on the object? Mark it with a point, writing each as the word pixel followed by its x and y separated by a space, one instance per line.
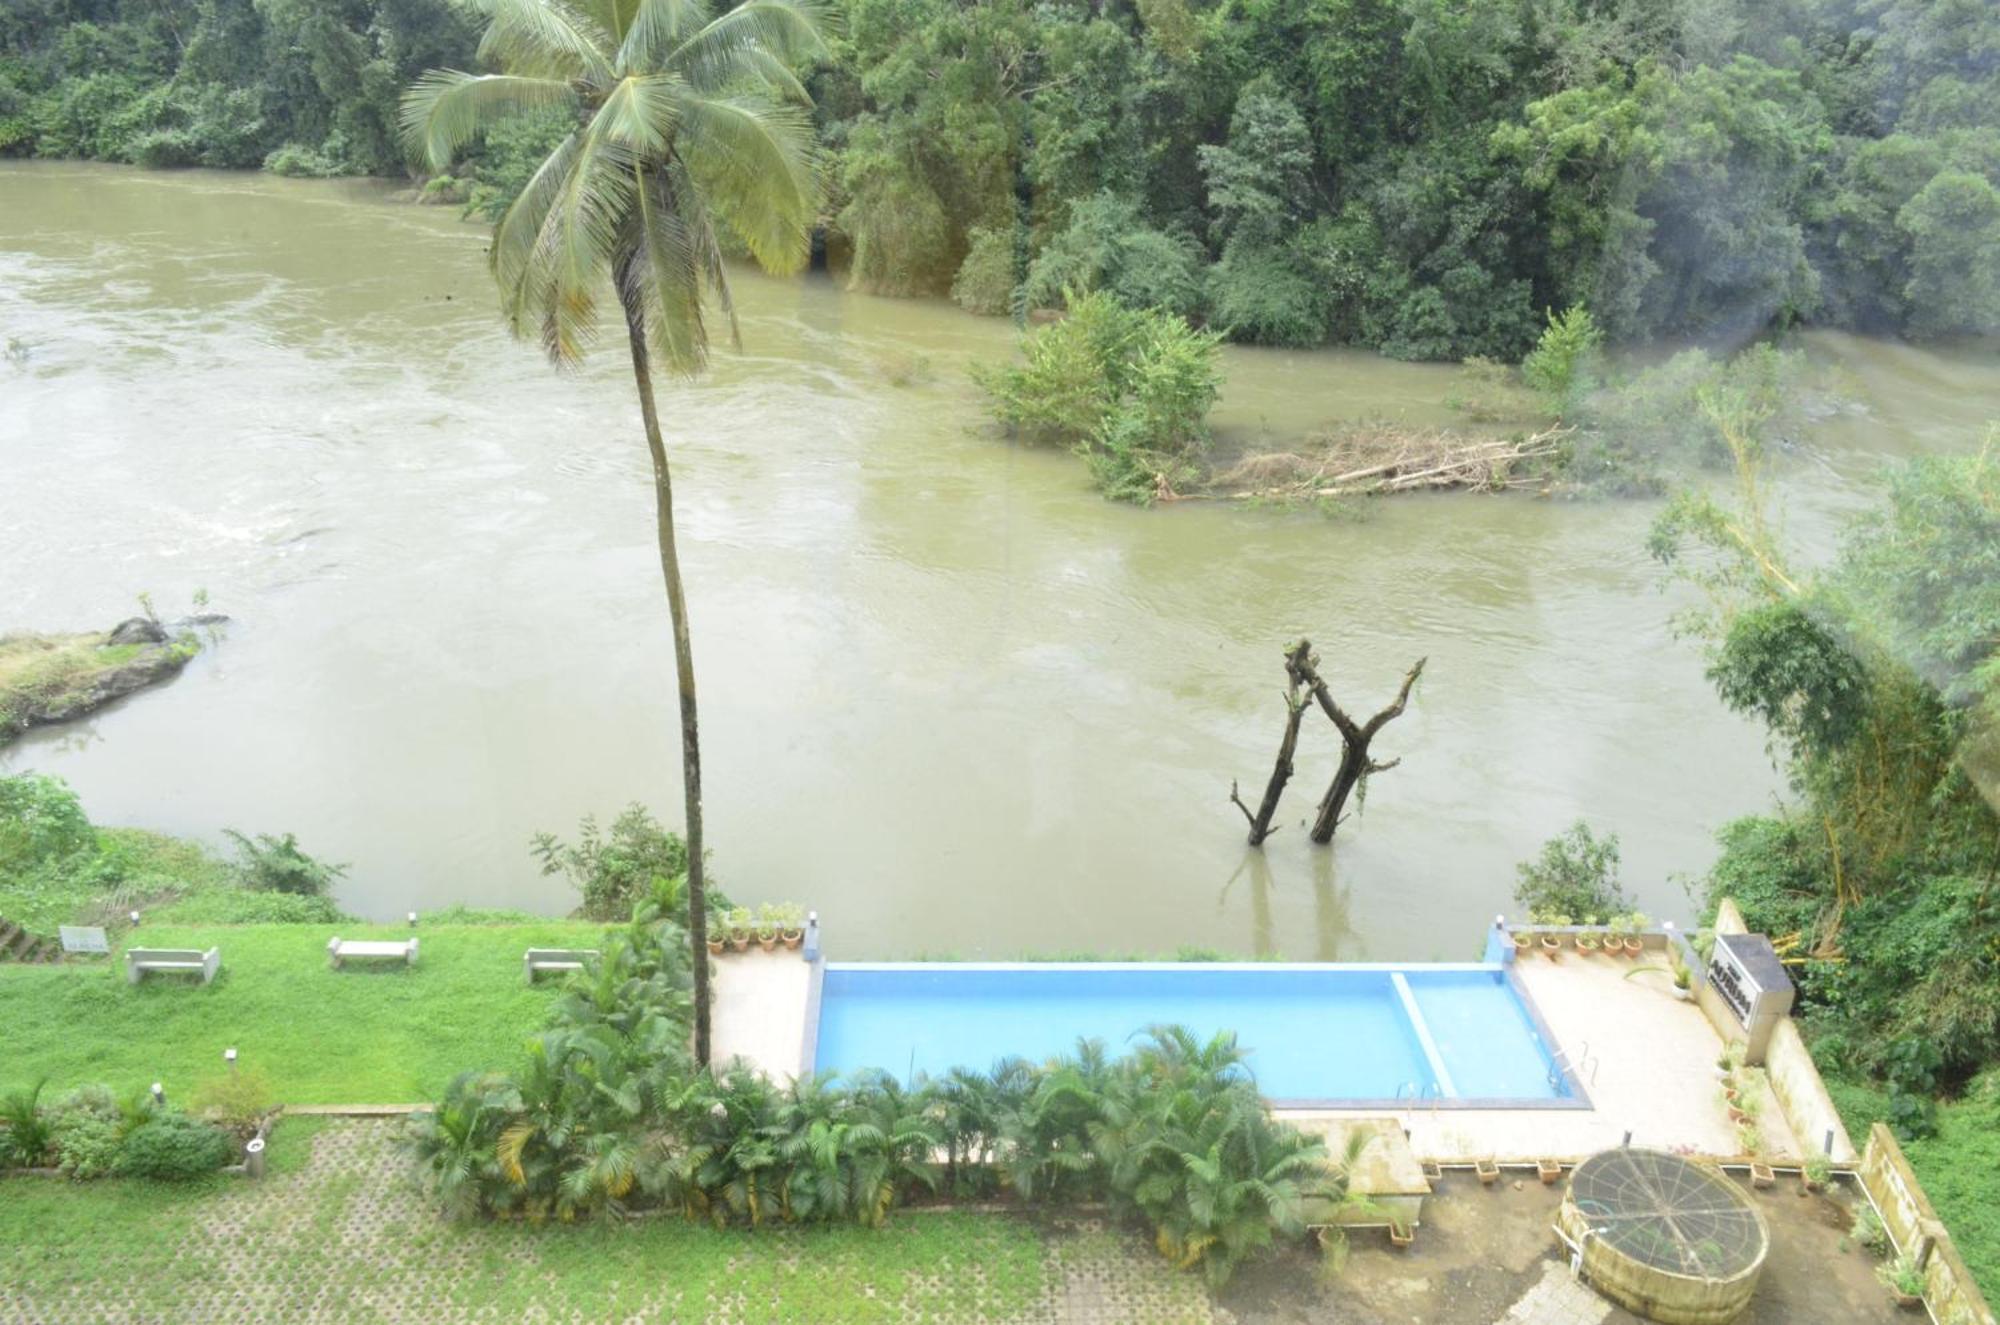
pixel 688 123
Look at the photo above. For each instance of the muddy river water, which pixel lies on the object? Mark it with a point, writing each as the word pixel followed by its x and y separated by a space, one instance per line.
pixel 951 697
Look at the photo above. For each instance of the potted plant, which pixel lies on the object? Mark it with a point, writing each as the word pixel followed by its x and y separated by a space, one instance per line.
pixel 1524 940
pixel 1488 1170
pixel 1551 942
pixel 1751 1138
pixel 1816 1172
pixel 718 935
pixel 791 925
pixel 1680 979
pixel 767 927
pixel 1904 1279
pixel 1548 1170
pixel 1634 944
pixel 1587 942
pixel 740 928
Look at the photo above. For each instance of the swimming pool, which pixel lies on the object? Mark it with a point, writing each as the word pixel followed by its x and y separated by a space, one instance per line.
pixel 1462 1035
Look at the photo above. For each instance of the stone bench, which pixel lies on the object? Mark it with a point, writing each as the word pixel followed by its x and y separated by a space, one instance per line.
pixel 340 950
pixel 138 961
pixel 538 960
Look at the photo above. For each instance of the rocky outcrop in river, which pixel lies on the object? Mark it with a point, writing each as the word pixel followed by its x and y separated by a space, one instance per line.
pixel 56 677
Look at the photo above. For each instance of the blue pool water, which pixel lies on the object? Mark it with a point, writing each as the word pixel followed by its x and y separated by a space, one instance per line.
pixel 1314 1033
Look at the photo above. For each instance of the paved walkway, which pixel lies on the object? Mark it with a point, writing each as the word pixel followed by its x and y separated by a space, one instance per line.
pixel 1557 1298
pixel 348 1237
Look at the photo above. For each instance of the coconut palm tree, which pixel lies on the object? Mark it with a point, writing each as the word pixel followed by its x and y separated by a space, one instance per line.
pixel 687 123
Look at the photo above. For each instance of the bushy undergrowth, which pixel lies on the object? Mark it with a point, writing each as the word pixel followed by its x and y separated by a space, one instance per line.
pixel 1575 875
pixel 92 1133
pixel 1128 389
pixel 615 869
pixel 607 1115
pixel 56 868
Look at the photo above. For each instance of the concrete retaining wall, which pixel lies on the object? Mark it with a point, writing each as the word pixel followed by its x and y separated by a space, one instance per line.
pixel 1953 1297
pixel 1803 1096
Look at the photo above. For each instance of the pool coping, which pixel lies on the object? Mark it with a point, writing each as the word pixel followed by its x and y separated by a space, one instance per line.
pixel 1577 1099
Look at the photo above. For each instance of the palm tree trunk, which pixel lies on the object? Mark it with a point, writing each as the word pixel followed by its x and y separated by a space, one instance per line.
pixel 670 568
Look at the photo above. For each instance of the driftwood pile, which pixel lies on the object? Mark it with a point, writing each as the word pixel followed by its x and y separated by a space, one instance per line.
pixel 1383 458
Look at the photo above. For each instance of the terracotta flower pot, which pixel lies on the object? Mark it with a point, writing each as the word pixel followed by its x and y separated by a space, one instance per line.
pixel 792 938
pixel 1633 945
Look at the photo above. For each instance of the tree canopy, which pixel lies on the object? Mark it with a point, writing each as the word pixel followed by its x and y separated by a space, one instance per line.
pixel 1426 177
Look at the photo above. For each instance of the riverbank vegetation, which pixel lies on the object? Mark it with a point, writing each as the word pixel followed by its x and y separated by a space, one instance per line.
pixel 1130 390
pixel 1422 178
pixel 1877 677
pixel 57 868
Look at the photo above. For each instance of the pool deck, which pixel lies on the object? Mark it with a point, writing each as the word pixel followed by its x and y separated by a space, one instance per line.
pixel 1653 1074
pixel 1646 1061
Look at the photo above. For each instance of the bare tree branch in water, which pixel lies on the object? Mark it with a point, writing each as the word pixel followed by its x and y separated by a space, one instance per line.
pixel 1297 657
pixel 1355 764
pixel 1302 679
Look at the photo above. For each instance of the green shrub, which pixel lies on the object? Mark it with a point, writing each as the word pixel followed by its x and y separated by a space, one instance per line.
pixel 173 1147
pixel 275 864
pixel 1576 875
pixel 985 280
pixel 1108 247
pixel 165 149
pixel 24 1129
pixel 1264 295
pixel 87 1127
pixel 241 906
pixel 615 870
pixel 1129 389
pixel 1563 366
pixel 302 162
pixel 41 821
pixel 236 1099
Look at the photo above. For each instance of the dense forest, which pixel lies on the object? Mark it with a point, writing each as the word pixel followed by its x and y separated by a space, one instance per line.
pixel 1425 177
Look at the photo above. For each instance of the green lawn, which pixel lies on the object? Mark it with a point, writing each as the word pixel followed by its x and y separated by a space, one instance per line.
pixel 339 1230
pixel 356 1036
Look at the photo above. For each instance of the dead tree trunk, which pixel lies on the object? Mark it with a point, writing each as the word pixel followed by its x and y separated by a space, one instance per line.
pixel 1354 761
pixel 1297 660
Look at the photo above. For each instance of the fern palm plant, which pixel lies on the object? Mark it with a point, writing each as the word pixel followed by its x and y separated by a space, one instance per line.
pixel 688 123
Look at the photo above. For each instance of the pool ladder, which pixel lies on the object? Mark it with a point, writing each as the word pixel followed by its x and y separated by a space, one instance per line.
pixel 1418 1094
pixel 1586 1061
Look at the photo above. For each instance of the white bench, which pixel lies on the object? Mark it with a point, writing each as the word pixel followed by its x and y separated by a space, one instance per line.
pixel 138 961
pixel 339 950
pixel 538 960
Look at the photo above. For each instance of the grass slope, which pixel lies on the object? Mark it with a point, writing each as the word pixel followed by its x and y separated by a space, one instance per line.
pixel 356 1036
pixel 1958 1167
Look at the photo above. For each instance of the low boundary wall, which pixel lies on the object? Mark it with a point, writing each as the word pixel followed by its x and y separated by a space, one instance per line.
pixel 1949 1290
